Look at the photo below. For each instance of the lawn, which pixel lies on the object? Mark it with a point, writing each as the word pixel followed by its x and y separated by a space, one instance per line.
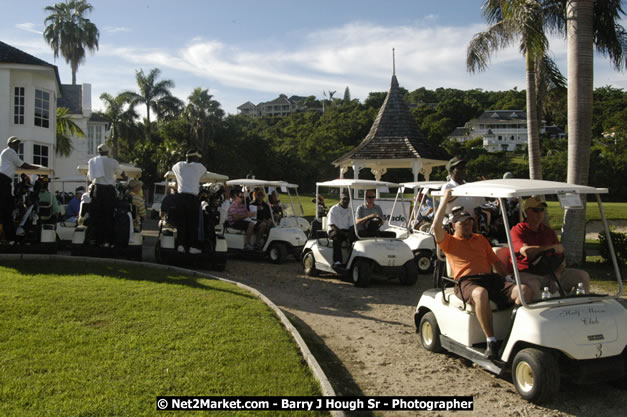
pixel 95 340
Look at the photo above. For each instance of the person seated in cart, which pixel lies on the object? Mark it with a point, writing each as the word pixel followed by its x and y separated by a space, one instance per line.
pixel 49 208
pixel 532 237
pixel 137 199
pixel 264 217
pixel 369 216
pixel 239 217
pixel 275 203
pixel 74 206
pixel 471 259
pixel 340 227
pixel 188 174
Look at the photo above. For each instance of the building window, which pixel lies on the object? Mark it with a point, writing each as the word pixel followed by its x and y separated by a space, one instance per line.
pixel 94 138
pixel 500 137
pixel 40 155
pixel 42 108
pixel 20 150
pixel 504 147
pixel 18 106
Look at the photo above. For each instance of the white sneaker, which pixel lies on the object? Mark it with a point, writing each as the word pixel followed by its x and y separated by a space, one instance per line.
pixel 337 263
pixel 11 243
pixel 105 245
pixel 181 249
pixel 194 251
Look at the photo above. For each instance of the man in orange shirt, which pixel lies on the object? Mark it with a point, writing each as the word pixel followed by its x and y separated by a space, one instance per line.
pixel 471 257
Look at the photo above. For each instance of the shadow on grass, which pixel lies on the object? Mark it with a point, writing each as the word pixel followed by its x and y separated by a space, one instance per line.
pixel 126 272
pixel 341 380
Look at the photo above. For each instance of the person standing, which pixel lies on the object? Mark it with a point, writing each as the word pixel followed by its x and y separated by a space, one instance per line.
pixel 188 174
pixel 102 172
pixel 9 162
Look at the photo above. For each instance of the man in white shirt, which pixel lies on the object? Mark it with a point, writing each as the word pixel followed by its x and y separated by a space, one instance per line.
pixel 102 172
pixel 340 220
pixel 9 162
pixel 188 174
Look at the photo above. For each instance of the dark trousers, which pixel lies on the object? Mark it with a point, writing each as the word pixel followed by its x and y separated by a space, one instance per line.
pixel 102 209
pixel 338 236
pixel 188 206
pixel 7 204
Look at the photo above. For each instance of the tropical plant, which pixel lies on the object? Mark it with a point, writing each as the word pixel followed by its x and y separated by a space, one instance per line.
pixel 202 113
pixel 69 32
pixel 66 129
pixel 509 21
pixel 155 95
pixel 120 116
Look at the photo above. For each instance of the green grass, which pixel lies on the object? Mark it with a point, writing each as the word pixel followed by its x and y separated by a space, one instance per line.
pixel 613 211
pixel 96 340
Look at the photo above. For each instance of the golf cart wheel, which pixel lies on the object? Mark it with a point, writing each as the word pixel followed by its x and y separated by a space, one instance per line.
pixel 361 273
pixel 423 261
pixel 137 256
pixel 277 253
pixel 410 273
pixel 535 374
pixel 309 264
pixel 430 333
pixel 158 254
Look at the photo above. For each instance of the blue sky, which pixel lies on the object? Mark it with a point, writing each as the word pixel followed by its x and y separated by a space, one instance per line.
pixel 254 50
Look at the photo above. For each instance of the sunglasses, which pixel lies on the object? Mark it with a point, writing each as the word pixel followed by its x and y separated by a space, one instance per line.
pixel 537 209
pixel 370 196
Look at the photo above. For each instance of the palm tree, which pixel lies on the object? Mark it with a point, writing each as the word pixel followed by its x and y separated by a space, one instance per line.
pixel 69 32
pixel 120 117
pixel 202 112
pixel 66 129
pixel 509 21
pixel 587 24
pixel 155 95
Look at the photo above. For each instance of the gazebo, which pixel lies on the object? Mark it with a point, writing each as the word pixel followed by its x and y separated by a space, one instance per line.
pixel 394 141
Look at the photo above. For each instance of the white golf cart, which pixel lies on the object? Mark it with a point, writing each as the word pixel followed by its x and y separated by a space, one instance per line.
pixel 384 254
pixel 415 229
pixel 35 230
pixel 213 244
pixel 284 238
pixel 580 337
pixel 130 248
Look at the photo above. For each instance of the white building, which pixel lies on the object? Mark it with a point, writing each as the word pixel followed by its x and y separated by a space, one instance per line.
pixel 501 130
pixel 280 106
pixel 29 89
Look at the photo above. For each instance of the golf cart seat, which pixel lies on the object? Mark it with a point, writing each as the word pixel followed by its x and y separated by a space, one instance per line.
pixel 454 301
pixel 233 231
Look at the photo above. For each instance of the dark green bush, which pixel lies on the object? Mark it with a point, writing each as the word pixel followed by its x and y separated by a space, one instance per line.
pixel 619 240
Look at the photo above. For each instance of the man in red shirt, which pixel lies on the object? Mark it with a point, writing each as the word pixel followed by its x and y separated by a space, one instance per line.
pixel 471 257
pixel 531 237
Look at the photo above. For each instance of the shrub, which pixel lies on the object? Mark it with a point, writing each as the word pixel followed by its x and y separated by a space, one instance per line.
pixel 619 240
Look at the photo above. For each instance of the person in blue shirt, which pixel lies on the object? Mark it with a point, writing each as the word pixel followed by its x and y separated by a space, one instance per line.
pixel 74 206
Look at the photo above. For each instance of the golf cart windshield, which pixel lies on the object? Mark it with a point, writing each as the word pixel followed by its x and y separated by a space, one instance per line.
pixel 419 201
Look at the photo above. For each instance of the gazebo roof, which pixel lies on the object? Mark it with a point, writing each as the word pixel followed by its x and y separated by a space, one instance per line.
pixel 394 135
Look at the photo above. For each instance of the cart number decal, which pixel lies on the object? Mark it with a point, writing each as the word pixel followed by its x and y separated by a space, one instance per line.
pixel 599 351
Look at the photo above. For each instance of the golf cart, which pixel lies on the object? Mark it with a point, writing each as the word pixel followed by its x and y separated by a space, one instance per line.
pixel 293 213
pixel 579 337
pixel 35 228
pixel 415 229
pixel 283 238
pixel 212 244
pixel 128 239
pixel 382 254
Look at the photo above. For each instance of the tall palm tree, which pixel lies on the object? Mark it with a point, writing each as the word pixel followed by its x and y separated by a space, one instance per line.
pixel 69 32
pixel 121 117
pixel 511 20
pixel 152 93
pixel 587 24
pixel 66 129
pixel 202 112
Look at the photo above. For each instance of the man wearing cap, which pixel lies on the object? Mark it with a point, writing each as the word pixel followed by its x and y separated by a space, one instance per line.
pixel 137 199
pixel 188 174
pixel 102 171
pixel 471 259
pixel 9 162
pixel 74 206
pixel 340 226
pixel 531 237
pixel 456 168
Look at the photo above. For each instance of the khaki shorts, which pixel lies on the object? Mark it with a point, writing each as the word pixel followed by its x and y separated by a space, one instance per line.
pixel 499 290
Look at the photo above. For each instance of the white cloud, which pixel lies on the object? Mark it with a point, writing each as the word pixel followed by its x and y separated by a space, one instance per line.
pixel 116 29
pixel 29 27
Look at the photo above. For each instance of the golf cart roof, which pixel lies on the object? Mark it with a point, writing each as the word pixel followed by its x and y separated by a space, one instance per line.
pixel 432 185
pixel 131 171
pixel 207 177
pixel 252 182
pixel 40 171
pixel 74 178
pixel 356 184
pixel 521 187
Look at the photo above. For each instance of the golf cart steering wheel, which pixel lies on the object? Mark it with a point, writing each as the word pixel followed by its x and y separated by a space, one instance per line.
pixel 545 263
pixel 373 225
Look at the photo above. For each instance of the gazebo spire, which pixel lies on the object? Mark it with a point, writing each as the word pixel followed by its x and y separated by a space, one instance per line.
pixel 393 62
